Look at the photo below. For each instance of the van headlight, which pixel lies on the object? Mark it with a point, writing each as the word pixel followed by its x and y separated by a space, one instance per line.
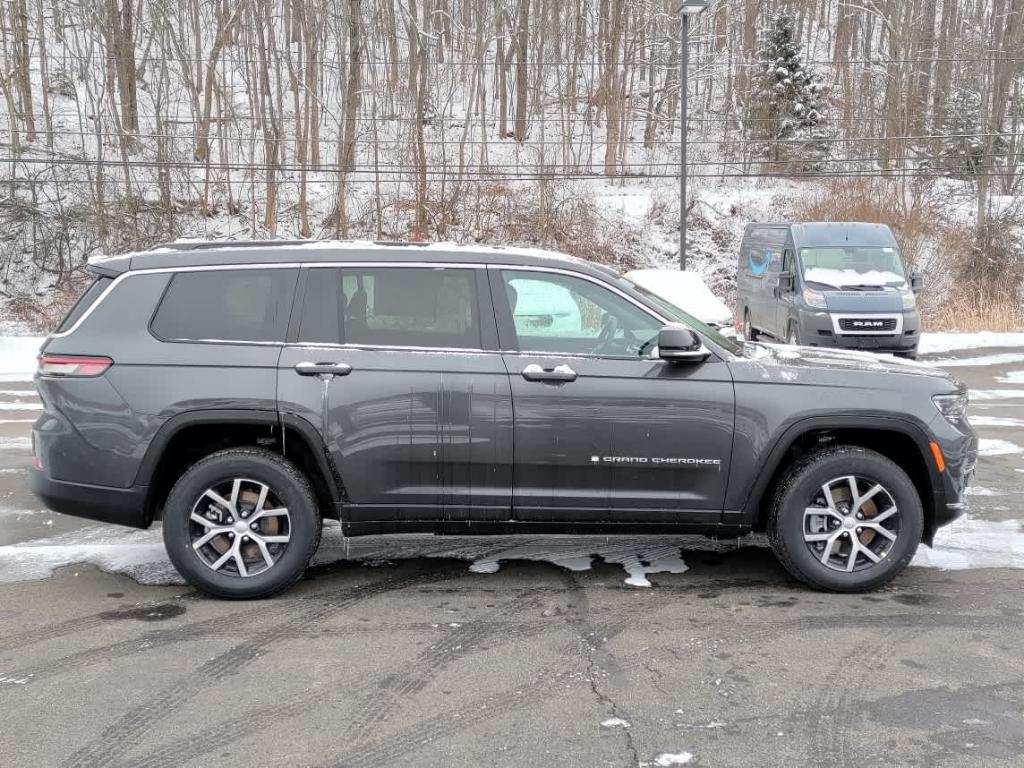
pixel 815 299
pixel 908 297
pixel 953 407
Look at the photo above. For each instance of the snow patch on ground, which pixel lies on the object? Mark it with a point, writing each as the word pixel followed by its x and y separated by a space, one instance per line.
pixel 997 394
pixel 615 722
pixel 667 759
pixel 974 543
pixel 18 357
pixel 967 543
pixel 977 490
pixel 141 555
pixel 995 421
pixel 15 443
pixel 995 447
pixel 1011 377
pixel 932 343
pixel 1004 358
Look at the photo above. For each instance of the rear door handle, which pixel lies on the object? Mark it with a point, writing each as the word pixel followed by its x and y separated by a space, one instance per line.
pixel 306 368
pixel 534 372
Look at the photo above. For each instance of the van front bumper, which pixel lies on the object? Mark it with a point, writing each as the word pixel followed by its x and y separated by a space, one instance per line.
pixel 818 330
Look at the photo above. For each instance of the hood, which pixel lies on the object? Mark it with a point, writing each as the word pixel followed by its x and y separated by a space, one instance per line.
pixel 880 300
pixel 805 362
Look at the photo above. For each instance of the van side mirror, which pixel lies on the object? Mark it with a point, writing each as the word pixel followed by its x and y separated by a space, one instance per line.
pixel 787 280
pixel 916 281
pixel 677 343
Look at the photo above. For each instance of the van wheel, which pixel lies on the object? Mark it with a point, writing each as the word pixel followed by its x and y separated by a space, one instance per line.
pixel 793 334
pixel 241 523
pixel 748 330
pixel 845 519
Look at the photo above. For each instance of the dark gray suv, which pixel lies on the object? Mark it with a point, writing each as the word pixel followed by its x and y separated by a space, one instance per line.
pixel 241 392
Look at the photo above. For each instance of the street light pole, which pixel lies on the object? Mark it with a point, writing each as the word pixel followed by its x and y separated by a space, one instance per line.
pixel 684 67
pixel 688 8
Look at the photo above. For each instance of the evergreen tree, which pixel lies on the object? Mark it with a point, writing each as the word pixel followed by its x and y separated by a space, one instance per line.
pixel 788 101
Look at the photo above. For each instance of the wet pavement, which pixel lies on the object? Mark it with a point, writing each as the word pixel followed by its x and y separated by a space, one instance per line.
pixel 518 652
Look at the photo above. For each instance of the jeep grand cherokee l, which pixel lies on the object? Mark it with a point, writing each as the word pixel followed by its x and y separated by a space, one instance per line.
pixel 242 392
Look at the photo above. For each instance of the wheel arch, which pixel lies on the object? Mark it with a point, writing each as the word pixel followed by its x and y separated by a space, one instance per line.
pixel 899 439
pixel 187 437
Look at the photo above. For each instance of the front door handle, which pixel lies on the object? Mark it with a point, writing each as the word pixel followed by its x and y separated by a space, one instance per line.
pixel 534 372
pixel 306 368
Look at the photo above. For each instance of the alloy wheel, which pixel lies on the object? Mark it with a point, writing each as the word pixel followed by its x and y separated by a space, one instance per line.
pixel 239 527
pixel 852 524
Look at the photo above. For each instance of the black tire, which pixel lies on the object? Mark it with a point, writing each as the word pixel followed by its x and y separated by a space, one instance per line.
pixel 804 482
pixel 748 330
pixel 793 334
pixel 285 481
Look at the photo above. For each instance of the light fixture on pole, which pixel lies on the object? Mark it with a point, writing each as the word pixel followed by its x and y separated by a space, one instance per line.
pixel 688 9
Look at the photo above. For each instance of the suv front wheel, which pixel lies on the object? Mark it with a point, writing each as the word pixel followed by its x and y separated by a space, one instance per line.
pixel 241 523
pixel 845 519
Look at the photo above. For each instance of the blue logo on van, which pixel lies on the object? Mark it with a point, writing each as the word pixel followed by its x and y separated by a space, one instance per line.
pixel 758 266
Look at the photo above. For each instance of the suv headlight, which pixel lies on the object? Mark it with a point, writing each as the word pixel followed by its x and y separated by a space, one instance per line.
pixel 908 297
pixel 815 299
pixel 953 407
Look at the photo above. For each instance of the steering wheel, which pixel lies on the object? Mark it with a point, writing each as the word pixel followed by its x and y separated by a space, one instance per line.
pixel 606 338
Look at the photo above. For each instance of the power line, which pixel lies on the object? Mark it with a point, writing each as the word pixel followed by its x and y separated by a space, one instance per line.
pixel 950 174
pixel 215 137
pixel 400 168
pixel 328 63
pixel 579 120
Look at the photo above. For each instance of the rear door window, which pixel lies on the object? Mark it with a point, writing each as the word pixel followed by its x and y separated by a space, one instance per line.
pixel 87 299
pixel 226 305
pixel 391 307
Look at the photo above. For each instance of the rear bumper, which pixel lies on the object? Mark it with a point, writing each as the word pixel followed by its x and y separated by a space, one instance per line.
pixel 120 506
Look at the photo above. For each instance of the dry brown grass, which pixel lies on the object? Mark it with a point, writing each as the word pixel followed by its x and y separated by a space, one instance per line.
pixel 974 311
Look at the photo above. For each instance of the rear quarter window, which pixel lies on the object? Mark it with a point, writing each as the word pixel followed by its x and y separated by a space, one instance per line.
pixel 226 305
pixel 85 301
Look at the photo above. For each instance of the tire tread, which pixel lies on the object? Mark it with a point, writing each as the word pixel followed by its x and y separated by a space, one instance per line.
pixel 795 475
pixel 296 476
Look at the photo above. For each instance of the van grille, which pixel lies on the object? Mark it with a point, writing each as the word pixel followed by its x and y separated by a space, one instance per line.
pixel 867 324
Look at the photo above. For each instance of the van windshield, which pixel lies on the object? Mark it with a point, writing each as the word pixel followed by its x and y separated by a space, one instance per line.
pixel 852 267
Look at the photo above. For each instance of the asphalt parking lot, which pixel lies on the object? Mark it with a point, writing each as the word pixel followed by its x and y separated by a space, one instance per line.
pixel 395 652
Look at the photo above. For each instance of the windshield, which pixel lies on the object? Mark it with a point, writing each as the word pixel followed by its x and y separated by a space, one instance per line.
pixel 677 314
pixel 846 266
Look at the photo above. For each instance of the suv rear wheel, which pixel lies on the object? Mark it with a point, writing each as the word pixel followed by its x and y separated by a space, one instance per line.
pixel 241 523
pixel 845 519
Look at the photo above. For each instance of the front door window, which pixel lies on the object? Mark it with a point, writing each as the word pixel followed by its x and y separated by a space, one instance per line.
pixel 560 314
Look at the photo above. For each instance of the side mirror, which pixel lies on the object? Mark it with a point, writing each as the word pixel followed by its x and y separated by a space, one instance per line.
pixel 916 281
pixel 786 282
pixel 677 343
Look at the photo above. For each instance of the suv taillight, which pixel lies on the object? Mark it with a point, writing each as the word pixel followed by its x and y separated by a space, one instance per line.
pixel 73 365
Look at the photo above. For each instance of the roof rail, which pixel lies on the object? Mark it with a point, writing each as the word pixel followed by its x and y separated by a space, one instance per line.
pixel 201 245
